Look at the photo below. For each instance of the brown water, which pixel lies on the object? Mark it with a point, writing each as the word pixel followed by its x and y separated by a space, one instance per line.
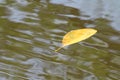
pixel 30 31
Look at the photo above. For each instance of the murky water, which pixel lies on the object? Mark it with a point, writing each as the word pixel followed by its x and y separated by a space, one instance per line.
pixel 30 31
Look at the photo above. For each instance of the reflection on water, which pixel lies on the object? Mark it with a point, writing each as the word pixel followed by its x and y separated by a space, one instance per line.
pixel 30 31
pixel 108 9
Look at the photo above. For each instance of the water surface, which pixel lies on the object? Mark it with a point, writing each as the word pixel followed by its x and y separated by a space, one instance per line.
pixel 30 31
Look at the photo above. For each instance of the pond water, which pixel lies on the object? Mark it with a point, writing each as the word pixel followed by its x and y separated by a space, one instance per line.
pixel 30 31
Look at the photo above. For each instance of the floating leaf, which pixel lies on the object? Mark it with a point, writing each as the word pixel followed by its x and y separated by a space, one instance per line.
pixel 75 36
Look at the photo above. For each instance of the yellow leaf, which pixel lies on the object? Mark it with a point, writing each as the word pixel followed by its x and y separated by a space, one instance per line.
pixel 75 36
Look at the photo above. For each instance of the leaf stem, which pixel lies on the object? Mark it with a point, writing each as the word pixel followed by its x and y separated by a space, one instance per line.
pixel 58 49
